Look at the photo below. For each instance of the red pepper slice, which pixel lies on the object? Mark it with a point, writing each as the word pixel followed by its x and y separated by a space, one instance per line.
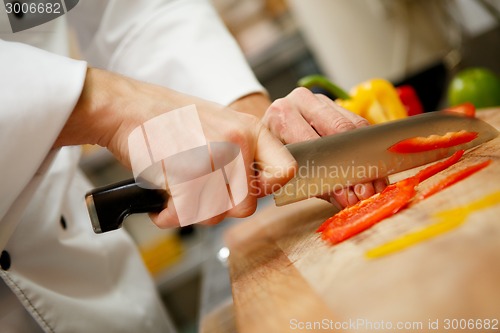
pixel 410 100
pixel 439 166
pixel 452 179
pixel 468 109
pixel 353 220
pixel 419 144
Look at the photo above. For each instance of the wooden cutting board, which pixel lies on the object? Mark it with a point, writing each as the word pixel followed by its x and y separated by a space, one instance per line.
pixel 284 277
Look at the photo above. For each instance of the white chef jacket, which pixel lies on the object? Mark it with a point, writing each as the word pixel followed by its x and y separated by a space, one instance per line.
pixel 61 277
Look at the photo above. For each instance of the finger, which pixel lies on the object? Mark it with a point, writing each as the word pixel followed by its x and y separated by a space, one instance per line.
pixel 380 184
pixel 167 218
pixel 214 220
pixel 246 208
pixel 275 165
pixel 364 191
pixel 334 202
pixel 322 116
pixel 285 121
pixel 328 197
pixel 345 197
pixel 357 120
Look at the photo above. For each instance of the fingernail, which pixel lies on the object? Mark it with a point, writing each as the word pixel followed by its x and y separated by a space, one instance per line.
pixel 360 191
pixel 351 197
pixel 380 185
pixel 335 203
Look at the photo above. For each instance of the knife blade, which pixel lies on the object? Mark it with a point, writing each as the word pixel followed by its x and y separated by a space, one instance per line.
pixel 324 164
pixel 362 155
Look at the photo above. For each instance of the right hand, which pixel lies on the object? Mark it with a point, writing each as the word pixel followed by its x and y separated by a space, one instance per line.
pixel 111 106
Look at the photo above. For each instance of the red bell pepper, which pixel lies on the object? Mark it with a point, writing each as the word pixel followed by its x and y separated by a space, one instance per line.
pixel 364 214
pixel 410 100
pixel 439 166
pixel 420 143
pixel 354 219
pixel 467 109
pixel 452 179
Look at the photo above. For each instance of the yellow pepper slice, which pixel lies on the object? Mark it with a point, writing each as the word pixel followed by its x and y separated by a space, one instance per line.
pixel 448 220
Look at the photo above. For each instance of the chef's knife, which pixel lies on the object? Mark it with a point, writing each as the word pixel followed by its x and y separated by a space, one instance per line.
pixel 324 164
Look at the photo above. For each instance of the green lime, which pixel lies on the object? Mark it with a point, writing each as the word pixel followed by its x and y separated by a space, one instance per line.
pixel 478 86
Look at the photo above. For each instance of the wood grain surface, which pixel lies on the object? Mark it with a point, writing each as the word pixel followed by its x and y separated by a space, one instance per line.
pixel 284 277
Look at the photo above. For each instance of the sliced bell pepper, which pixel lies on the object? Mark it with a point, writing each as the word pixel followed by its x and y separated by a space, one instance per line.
pixel 354 219
pixel 419 144
pixel 364 214
pixel 376 100
pixel 439 166
pixel 451 179
pixel 467 109
pixel 448 220
pixel 410 100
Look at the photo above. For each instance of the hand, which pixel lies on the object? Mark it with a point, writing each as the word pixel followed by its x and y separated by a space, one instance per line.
pixel 111 106
pixel 303 115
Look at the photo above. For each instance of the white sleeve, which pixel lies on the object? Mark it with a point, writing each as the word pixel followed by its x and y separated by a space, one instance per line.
pixel 180 44
pixel 38 91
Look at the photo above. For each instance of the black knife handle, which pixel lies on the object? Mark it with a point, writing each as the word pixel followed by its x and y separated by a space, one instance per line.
pixel 108 206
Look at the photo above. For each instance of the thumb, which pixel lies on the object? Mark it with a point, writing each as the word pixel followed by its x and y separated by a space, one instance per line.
pixel 274 165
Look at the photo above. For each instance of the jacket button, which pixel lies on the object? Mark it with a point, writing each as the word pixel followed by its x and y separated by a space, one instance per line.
pixel 5 260
pixel 63 223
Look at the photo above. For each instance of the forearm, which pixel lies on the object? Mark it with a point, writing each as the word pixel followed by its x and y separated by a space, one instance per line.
pixel 90 121
pixel 102 108
pixel 110 107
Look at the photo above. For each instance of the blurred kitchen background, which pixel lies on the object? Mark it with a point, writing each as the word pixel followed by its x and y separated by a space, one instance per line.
pixel 420 42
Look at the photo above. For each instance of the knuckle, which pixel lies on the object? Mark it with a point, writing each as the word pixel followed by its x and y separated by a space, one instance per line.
pixel 277 115
pixel 278 109
pixel 361 122
pixel 236 135
pixel 323 97
pixel 342 124
pixel 301 92
pixel 278 106
pixel 304 96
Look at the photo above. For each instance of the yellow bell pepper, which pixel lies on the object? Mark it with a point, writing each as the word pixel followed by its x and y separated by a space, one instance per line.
pixel 376 100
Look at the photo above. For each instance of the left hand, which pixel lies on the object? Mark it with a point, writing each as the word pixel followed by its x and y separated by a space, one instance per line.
pixel 301 116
